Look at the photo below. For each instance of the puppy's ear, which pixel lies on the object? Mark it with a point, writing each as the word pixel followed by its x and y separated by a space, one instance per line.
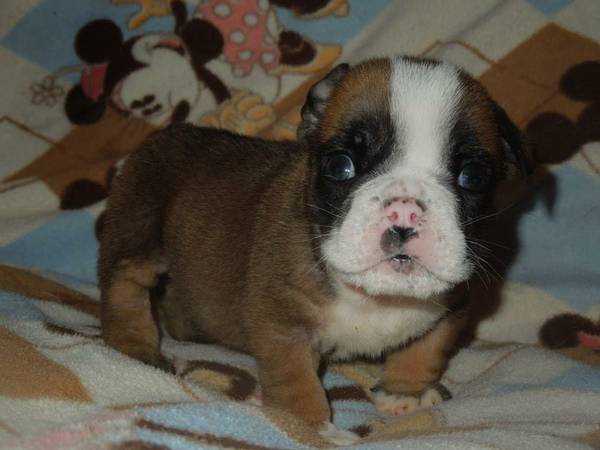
pixel 316 101
pixel 514 145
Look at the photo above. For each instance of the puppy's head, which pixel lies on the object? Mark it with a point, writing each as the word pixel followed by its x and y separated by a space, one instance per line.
pixel 408 154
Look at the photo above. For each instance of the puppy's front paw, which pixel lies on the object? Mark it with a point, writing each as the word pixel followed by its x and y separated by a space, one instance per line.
pixel 401 404
pixel 393 404
pixel 330 433
pixel 434 395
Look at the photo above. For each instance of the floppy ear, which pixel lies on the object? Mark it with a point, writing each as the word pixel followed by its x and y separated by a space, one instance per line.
pixel 316 101
pixel 514 144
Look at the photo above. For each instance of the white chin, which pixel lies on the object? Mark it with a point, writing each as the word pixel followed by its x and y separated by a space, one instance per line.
pixel 419 283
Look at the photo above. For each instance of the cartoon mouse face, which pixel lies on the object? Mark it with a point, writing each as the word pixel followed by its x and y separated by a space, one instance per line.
pixel 158 77
pixel 165 88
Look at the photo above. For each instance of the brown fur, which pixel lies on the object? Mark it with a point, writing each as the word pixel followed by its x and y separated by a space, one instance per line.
pixel 475 105
pixel 232 284
pixel 365 89
pixel 255 291
pixel 127 319
pixel 421 364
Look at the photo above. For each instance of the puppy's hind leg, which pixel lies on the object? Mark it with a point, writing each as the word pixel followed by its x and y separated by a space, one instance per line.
pixel 128 324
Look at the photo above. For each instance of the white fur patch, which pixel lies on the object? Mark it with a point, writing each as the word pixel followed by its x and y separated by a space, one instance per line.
pixel 355 325
pixel 400 404
pixel 423 101
pixel 334 435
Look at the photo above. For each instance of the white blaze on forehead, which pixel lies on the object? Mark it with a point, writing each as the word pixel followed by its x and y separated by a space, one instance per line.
pixel 424 97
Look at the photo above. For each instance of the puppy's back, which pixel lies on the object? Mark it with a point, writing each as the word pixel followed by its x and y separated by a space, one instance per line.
pixel 185 199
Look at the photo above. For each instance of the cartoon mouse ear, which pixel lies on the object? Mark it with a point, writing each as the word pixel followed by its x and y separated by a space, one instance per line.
pixel 81 109
pixel 317 98
pixel 98 41
pixel 580 82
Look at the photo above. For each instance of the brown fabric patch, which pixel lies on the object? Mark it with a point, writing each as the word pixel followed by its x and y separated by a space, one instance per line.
pixel 27 373
pixel 137 445
pixel 362 373
pixel 346 393
pixel 592 439
pixel 128 406
pixel 240 384
pixel 415 424
pixel 58 329
pixel 87 152
pixel 29 284
pixel 528 77
pixel 582 354
pixel 571 117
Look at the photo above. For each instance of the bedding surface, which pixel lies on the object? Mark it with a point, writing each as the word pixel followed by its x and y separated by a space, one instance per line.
pixel 83 82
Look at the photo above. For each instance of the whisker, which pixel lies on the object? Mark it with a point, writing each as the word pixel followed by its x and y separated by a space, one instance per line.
pixel 491 267
pixel 489 252
pixel 479 269
pixel 490 243
pixel 336 208
pixel 314 266
pixel 319 236
pixel 480 218
pixel 445 308
pixel 310 205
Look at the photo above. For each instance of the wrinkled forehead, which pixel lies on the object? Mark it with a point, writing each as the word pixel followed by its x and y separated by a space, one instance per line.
pixel 431 107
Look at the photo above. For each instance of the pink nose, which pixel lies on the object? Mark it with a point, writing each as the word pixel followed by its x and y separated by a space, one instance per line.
pixel 403 211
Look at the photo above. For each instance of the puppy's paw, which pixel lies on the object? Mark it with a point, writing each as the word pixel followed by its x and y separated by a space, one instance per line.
pixel 330 433
pixel 434 395
pixel 401 404
pixel 393 404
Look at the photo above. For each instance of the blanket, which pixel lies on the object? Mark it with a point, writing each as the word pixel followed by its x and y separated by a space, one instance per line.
pixel 83 82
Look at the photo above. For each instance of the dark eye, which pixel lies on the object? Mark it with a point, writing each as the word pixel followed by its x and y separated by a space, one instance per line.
pixel 474 177
pixel 338 167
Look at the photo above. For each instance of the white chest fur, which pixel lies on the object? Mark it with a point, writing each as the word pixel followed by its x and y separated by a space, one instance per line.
pixel 354 325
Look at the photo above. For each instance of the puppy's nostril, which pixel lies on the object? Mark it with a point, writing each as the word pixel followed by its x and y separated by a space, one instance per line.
pixel 403 234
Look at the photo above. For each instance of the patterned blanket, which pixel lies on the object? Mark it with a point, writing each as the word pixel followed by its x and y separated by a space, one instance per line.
pixel 83 82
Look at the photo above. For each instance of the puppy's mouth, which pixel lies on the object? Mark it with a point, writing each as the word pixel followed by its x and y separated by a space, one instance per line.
pixel 401 262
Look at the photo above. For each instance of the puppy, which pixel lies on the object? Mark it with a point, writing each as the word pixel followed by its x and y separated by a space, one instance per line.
pixel 351 242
